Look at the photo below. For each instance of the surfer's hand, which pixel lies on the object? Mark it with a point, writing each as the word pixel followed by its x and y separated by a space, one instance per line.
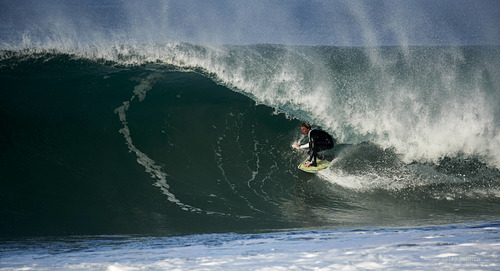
pixel 308 163
pixel 296 145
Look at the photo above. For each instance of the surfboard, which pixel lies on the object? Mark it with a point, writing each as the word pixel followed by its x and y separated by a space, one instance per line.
pixel 322 164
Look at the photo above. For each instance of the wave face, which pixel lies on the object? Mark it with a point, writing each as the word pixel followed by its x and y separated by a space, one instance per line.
pixel 183 138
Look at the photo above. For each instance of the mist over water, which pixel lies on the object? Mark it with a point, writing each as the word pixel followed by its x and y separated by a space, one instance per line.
pixel 353 23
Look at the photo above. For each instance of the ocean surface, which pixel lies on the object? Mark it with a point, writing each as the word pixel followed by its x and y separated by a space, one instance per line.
pixel 160 155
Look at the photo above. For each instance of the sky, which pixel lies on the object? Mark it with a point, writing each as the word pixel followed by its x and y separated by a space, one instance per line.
pixel 298 22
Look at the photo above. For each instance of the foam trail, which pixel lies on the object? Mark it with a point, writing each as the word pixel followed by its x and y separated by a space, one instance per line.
pixel 149 164
pixel 218 157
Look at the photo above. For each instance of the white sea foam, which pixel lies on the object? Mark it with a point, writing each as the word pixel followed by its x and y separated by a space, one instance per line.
pixel 434 248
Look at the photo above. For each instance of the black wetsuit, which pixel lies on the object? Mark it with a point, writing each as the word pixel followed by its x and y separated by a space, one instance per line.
pixel 318 141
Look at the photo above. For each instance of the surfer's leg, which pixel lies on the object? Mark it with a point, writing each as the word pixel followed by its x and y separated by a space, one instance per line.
pixel 320 148
pixel 313 158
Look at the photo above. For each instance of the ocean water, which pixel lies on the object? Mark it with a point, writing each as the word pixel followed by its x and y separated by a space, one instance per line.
pixel 130 154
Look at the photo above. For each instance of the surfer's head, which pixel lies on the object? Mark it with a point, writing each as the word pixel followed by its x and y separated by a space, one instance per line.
pixel 305 128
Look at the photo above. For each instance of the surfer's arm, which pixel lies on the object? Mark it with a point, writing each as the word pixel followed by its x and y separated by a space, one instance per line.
pixel 297 146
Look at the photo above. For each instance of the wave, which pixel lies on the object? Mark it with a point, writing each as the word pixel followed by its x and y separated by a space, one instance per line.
pixel 426 102
pixel 417 126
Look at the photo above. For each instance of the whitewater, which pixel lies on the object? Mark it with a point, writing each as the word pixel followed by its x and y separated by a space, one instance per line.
pixel 132 137
pixel 432 248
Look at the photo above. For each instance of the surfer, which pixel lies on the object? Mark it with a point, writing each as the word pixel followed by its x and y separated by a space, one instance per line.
pixel 318 141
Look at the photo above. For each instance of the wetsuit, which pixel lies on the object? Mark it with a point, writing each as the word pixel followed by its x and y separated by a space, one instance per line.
pixel 318 141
